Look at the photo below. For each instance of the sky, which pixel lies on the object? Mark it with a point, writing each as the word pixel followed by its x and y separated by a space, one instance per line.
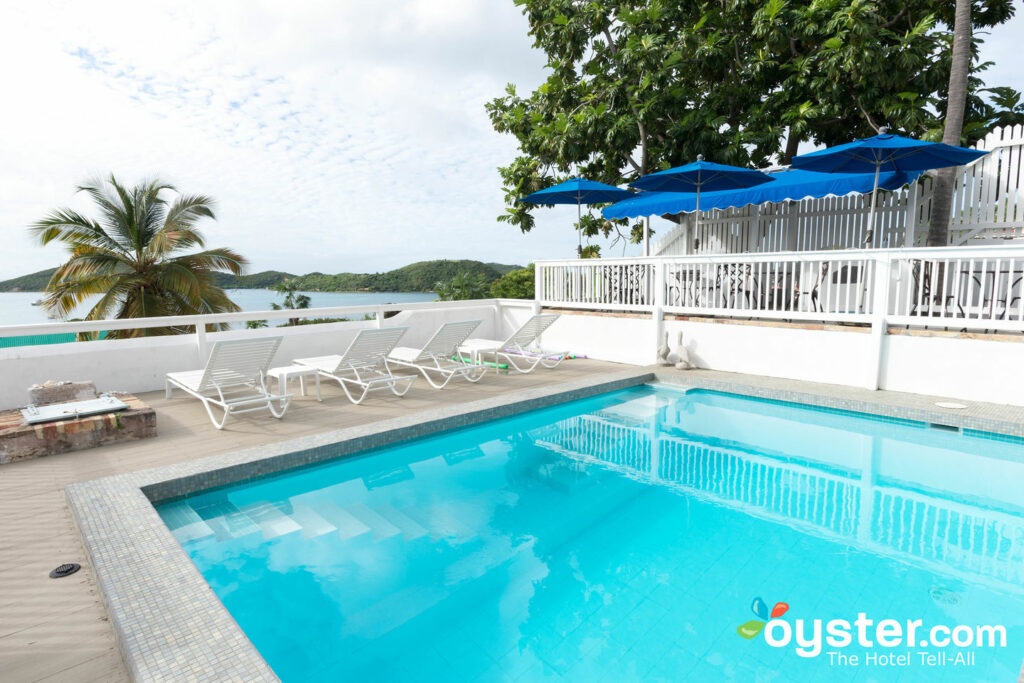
pixel 335 135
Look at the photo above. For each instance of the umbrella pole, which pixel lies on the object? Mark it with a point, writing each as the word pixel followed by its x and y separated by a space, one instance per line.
pixel 579 229
pixel 696 215
pixel 874 196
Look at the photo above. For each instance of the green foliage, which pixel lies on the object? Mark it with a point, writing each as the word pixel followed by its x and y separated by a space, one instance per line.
pixel 637 87
pixel 321 321
pixel 255 324
pixel 292 299
pixel 464 285
pixel 515 284
pixel 138 256
pixel 263 280
pixel 416 277
pixel 33 282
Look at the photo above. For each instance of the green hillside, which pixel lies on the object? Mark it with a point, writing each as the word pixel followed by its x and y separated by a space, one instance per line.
pixel 415 277
pixel 35 282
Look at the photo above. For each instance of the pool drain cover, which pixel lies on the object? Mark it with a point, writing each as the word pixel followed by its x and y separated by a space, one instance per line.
pixel 945 596
pixel 65 570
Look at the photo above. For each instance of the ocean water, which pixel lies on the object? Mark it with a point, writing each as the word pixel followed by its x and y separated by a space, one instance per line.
pixel 635 535
pixel 16 307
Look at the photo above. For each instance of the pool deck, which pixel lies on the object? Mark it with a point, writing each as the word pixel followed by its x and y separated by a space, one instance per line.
pixel 56 630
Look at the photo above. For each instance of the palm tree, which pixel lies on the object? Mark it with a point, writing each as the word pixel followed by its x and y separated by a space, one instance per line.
pixel 956 102
pixel 462 287
pixel 292 299
pixel 136 256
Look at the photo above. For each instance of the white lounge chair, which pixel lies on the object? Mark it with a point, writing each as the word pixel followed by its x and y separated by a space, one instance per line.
pixel 436 356
pixel 234 379
pixel 363 367
pixel 516 350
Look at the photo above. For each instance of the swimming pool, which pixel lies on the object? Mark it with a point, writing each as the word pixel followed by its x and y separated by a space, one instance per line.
pixel 623 537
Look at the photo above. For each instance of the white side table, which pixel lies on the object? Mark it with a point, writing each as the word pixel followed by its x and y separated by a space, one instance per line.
pixel 282 375
pixel 475 348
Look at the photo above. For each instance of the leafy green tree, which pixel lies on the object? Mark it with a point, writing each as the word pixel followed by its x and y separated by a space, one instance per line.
pixel 634 87
pixel 516 284
pixel 137 256
pixel 255 324
pixel 293 300
pixel 462 287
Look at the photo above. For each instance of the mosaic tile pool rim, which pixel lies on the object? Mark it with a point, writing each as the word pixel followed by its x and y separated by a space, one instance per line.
pixel 168 622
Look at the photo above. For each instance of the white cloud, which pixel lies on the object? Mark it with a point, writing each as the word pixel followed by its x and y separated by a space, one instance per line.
pixel 336 135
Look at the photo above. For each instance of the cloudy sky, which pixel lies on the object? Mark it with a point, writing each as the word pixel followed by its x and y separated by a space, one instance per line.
pixel 336 135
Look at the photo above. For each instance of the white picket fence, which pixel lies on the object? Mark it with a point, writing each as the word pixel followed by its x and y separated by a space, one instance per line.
pixel 951 287
pixel 988 207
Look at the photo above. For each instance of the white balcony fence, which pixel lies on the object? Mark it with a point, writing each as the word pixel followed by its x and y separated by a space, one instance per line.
pixel 988 207
pixel 974 288
pixel 139 364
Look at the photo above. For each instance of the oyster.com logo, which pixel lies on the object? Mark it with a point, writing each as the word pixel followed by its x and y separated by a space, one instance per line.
pixel 753 627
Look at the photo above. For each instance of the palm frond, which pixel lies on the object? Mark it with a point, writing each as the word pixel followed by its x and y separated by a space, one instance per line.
pixel 215 259
pixel 67 225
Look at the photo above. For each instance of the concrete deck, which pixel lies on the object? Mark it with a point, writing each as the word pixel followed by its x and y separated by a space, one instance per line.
pixel 56 630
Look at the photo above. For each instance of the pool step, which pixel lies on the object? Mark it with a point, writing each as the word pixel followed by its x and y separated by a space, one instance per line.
pixel 186 524
pixel 379 527
pixel 226 520
pixel 440 522
pixel 271 521
pixel 312 524
pixel 409 528
pixel 347 525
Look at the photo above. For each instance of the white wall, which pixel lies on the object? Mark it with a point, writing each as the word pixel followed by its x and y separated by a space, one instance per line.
pixel 959 368
pixel 972 369
pixel 136 365
pixel 621 340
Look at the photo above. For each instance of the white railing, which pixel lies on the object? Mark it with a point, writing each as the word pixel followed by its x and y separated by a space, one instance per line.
pixel 200 325
pixel 955 287
pixel 139 364
pixel 972 288
pixel 988 206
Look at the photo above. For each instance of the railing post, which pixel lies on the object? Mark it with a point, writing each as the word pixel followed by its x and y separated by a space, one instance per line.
pixel 658 307
pixel 379 315
pixel 201 340
pixel 538 287
pixel 881 284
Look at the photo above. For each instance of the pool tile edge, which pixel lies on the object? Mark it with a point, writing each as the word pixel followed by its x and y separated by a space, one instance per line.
pixel 168 623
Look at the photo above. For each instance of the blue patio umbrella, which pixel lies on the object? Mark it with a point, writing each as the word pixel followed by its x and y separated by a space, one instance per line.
pixel 885 152
pixel 700 176
pixel 578 191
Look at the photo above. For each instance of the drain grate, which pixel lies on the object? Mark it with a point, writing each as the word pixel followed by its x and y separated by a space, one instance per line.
pixel 945 596
pixel 65 570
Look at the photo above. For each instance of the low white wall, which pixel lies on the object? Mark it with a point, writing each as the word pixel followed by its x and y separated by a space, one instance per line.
pixel 136 365
pixel 959 368
pixel 813 355
pixel 620 340
pixel 971 369
pixel 967 369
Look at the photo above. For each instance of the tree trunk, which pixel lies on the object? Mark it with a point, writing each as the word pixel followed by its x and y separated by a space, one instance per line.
pixel 956 102
pixel 792 145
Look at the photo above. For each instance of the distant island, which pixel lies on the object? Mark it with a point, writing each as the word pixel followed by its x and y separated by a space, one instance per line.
pixel 415 277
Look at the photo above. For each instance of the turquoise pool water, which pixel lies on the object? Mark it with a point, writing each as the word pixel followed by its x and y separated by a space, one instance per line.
pixel 623 537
